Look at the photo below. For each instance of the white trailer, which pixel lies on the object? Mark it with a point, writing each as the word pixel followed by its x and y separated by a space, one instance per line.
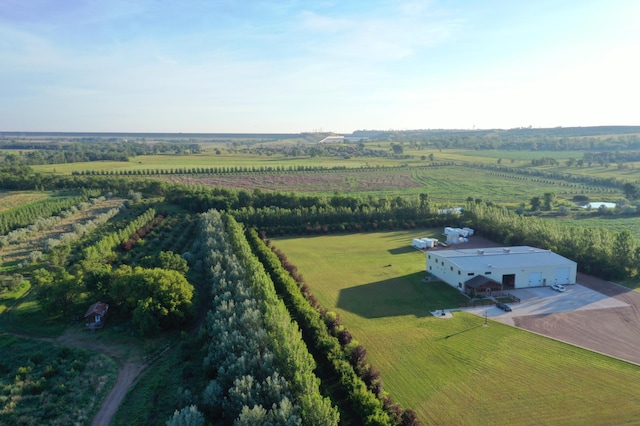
pixel 419 244
pixel 424 243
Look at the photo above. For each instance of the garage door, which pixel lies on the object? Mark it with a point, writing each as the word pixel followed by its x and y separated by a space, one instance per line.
pixel 535 279
pixel 562 275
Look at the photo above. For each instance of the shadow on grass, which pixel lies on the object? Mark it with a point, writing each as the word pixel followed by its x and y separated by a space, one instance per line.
pixel 402 250
pixel 460 332
pixel 406 295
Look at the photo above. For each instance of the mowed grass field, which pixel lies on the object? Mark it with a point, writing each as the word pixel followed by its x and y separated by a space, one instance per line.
pixel 455 371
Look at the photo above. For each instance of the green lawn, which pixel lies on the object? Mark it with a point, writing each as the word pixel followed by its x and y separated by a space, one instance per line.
pixel 455 371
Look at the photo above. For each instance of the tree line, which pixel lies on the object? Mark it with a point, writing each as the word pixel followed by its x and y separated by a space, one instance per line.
pixel 259 368
pixel 529 139
pixel 341 359
pixel 30 153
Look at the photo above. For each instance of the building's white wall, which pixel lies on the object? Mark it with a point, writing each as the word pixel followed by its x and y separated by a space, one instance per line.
pixel 444 269
pixel 447 271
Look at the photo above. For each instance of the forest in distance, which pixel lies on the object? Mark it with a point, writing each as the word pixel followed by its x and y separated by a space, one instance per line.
pixel 173 232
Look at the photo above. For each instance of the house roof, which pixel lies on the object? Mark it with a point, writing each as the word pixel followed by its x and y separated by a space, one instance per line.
pixel 503 257
pixel 479 281
pixel 98 308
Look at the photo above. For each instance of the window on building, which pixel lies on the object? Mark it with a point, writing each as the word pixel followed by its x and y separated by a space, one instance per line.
pixel 471 274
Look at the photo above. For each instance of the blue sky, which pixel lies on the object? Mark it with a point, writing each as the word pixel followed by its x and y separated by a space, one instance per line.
pixel 293 66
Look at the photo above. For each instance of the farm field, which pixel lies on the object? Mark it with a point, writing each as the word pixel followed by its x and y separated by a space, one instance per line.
pixel 11 199
pixel 452 183
pixel 444 184
pixel 454 371
pixel 16 252
pixel 510 158
pixel 210 159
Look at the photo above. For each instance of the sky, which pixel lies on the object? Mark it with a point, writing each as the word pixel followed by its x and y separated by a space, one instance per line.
pixel 253 66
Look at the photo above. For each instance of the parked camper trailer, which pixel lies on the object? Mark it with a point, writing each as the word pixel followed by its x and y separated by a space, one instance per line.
pixel 424 243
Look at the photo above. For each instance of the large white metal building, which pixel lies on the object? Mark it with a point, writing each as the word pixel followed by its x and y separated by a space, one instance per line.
pixel 511 267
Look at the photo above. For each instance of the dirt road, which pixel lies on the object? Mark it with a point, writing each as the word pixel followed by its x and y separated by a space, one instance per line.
pixel 126 376
pixel 130 360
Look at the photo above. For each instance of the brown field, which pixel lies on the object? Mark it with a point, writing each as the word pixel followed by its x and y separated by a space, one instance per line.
pixel 306 182
pixel 612 331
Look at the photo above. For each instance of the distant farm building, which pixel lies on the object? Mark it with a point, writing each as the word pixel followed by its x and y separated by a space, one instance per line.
pixel 599 204
pixel 508 267
pixel 332 139
pixel 96 315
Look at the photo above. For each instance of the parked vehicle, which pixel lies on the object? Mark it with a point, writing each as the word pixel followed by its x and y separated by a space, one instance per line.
pixel 558 287
pixel 503 306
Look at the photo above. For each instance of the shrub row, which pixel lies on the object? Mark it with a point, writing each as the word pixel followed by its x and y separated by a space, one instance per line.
pixel 102 250
pixel 292 355
pixel 27 214
pixel 356 400
pixel 142 232
pixel 259 368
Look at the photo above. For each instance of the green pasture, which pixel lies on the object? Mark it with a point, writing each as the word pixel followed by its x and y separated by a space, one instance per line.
pixel 455 371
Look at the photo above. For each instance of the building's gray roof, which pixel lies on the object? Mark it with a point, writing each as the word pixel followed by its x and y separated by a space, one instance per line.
pixel 502 257
pixel 480 280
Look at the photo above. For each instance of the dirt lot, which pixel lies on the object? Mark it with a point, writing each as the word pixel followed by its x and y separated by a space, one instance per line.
pixel 612 331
